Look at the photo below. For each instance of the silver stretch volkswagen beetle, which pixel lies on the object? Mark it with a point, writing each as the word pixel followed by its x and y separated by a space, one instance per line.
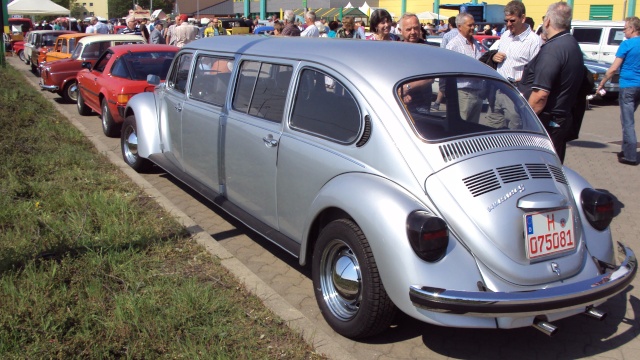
pixel 458 215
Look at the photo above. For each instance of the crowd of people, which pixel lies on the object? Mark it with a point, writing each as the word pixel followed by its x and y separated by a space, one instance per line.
pixel 546 65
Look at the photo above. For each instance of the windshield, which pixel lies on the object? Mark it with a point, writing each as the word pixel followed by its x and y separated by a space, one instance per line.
pixel 77 51
pixel 469 106
pixel 49 39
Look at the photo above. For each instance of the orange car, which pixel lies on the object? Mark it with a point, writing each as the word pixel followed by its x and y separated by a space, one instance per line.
pixel 62 49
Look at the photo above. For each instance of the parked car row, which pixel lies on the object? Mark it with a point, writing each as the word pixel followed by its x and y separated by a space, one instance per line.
pixel 60 76
pixel 445 215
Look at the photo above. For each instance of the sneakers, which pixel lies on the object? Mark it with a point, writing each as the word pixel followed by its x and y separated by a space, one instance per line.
pixel 423 110
pixel 435 106
pixel 622 160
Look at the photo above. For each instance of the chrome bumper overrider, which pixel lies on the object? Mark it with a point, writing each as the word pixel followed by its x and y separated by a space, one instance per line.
pixel 48 87
pixel 495 304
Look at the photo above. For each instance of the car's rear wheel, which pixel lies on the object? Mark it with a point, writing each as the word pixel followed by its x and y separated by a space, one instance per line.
pixel 129 145
pixel 109 127
pixel 27 60
pixel 70 91
pixel 21 55
pixel 348 287
pixel 83 109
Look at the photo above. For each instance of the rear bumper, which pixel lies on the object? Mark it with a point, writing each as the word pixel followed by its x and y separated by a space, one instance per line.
pixel 525 303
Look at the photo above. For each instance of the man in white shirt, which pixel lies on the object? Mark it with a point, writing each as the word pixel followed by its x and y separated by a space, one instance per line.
pixel 518 46
pixel 469 89
pixel 311 30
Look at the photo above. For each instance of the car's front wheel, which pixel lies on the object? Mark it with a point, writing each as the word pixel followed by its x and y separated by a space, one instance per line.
pixel 83 109
pixel 129 145
pixel 109 127
pixel 348 287
pixel 21 55
pixel 70 92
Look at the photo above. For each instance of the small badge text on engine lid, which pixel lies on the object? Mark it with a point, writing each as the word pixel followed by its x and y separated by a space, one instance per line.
pixel 505 197
pixel 549 232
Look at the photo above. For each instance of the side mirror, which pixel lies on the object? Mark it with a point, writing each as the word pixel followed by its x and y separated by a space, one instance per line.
pixel 153 79
pixel 86 65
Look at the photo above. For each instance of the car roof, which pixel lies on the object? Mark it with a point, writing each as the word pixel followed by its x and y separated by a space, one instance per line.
pixel 597 23
pixel 52 32
pixel 370 58
pixel 74 35
pixel 111 37
pixel 121 49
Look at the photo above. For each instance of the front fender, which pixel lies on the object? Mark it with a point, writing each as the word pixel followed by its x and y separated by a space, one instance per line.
pixel 143 107
pixel 599 243
pixel 380 208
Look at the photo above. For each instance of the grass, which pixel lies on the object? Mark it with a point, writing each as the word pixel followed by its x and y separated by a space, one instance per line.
pixel 91 267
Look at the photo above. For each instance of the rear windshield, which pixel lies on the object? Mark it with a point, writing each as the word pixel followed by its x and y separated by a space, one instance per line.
pixel 139 65
pixel 470 106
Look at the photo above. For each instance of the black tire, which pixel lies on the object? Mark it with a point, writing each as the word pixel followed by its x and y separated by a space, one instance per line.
pixel 21 56
pixel 83 109
pixel 27 60
pixel 70 92
pixel 129 146
pixel 356 305
pixel 35 69
pixel 109 127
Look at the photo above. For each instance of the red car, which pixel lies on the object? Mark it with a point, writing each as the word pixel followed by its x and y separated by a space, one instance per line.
pixel 486 40
pixel 118 74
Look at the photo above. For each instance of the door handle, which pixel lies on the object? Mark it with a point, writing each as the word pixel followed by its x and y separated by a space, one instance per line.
pixel 178 108
pixel 269 141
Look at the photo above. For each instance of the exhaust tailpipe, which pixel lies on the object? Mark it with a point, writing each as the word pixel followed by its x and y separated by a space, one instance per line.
pixel 546 327
pixel 595 313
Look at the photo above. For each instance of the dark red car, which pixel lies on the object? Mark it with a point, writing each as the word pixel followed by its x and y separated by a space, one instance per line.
pixel 119 74
pixel 60 76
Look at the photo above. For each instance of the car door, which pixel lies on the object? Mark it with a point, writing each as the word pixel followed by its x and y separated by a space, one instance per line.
pixel 202 115
pixel 612 40
pixel 171 108
pixel 252 135
pixel 98 76
pixel 589 39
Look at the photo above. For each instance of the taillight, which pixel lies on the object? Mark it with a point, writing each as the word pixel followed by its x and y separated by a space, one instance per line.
pixel 428 235
pixel 123 98
pixel 598 208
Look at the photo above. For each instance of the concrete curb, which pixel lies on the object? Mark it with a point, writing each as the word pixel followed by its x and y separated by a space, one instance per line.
pixel 321 341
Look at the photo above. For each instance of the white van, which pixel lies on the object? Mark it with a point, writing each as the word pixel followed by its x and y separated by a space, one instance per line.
pixel 599 39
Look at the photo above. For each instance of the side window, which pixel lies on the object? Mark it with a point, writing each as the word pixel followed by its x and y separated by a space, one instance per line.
pixel 270 92
pixel 211 79
pixel 616 35
pixel 92 51
pixel 102 62
pixel 180 73
pixel 587 35
pixel 119 69
pixel 323 106
pixel 244 88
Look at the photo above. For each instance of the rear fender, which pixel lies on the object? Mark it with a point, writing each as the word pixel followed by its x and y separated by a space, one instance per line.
pixel 380 208
pixel 599 243
pixel 143 107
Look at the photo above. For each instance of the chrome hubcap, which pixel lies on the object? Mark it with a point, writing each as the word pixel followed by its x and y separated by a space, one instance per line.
pixel 73 92
pixel 340 280
pixel 105 114
pixel 130 146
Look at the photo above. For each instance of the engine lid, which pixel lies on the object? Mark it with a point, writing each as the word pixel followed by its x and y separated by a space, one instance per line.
pixel 497 202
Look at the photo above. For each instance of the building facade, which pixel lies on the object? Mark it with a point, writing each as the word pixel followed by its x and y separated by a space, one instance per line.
pixel 93 8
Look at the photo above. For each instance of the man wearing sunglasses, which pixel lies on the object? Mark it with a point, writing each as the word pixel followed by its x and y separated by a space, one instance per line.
pixel 518 46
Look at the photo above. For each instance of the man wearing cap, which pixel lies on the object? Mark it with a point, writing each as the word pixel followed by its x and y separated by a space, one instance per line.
pixel 184 32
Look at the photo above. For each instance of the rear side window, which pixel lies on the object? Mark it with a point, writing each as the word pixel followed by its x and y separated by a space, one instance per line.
pixel 323 106
pixel 261 89
pixel 180 73
pixel 587 35
pixel 102 62
pixel 616 35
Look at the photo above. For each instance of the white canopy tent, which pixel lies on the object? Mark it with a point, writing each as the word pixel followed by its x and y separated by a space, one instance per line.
pixel 36 7
pixel 428 15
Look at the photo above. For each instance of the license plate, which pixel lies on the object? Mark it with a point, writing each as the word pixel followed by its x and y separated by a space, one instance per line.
pixel 549 232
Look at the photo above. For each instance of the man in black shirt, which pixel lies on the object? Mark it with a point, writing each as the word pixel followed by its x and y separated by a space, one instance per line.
pixel 553 78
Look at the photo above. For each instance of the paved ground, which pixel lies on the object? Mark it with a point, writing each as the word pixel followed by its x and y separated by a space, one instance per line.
pixel 287 288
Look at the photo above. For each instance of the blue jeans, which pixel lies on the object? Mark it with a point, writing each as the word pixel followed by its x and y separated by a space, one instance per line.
pixel 629 98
